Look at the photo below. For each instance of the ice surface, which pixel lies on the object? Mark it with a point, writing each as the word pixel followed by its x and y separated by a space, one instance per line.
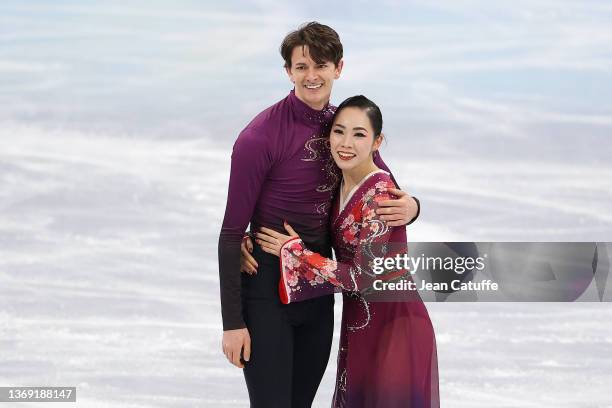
pixel 116 127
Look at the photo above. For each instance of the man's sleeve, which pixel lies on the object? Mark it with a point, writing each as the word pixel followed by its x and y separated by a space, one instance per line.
pixel 381 165
pixel 251 160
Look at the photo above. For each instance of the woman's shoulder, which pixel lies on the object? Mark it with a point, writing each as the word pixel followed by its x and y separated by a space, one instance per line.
pixel 376 187
pixel 381 181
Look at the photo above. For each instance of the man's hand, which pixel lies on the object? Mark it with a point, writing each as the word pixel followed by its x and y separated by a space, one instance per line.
pixel 397 212
pixel 248 264
pixel 234 341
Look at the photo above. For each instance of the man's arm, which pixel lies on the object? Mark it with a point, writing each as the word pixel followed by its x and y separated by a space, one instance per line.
pixel 251 160
pixel 403 211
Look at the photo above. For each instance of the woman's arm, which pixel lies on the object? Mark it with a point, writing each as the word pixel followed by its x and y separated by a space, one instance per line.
pixel 303 271
pixel 297 261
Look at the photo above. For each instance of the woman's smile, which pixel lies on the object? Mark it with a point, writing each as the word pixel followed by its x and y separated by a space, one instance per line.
pixel 345 155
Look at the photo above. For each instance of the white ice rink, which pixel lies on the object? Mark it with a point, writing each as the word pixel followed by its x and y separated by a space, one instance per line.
pixel 116 127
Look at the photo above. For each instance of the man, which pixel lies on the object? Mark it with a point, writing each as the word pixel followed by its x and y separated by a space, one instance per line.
pixel 282 170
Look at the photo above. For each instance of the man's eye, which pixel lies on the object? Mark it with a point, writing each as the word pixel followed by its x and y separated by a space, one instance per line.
pixel 300 68
pixel 323 66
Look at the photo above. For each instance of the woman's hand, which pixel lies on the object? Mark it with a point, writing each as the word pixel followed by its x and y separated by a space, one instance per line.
pixel 272 241
pixel 248 264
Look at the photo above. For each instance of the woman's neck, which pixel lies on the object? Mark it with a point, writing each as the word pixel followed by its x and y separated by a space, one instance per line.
pixel 352 177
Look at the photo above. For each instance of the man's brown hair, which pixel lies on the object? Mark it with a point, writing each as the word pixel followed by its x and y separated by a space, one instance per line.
pixel 323 43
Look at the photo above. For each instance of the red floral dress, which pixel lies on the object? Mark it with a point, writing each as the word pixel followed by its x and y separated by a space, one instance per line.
pixel 387 355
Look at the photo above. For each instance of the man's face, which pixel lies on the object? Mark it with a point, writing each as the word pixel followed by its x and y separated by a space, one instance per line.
pixel 313 82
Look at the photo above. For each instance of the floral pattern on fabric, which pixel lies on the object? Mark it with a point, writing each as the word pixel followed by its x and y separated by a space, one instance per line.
pixel 361 232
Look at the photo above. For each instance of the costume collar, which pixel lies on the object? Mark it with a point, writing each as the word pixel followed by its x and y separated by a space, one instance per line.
pixel 310 116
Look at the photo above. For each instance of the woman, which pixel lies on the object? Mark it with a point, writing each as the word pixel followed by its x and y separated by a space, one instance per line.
pixel 387 355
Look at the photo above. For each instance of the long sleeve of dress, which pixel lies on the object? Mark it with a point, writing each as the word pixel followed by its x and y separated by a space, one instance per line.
pixel 251 160
pixel 303 270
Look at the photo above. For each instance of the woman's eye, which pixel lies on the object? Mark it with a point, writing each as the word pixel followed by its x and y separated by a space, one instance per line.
pixel 338 131
pixel 360 135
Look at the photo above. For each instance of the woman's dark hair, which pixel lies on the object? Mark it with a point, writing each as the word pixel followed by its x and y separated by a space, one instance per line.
pixel 323 43
pixel 370 108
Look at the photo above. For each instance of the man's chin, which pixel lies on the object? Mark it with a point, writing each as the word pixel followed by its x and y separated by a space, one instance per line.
pixel 314 99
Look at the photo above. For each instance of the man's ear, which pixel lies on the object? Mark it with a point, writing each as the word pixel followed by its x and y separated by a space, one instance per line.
pixel 339 69
pixel 378 141
pixel 288 69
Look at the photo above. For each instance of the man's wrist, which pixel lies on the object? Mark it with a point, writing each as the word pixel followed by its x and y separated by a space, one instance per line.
pixel 418 203
pixel 228 327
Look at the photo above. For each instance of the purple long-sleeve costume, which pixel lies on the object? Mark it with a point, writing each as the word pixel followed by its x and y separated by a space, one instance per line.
pixel 282 169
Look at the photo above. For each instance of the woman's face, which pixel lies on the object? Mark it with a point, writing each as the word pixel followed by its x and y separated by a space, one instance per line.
pixel 352 139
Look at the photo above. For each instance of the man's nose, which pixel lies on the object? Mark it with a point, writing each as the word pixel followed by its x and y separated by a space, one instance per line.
pixel 312 75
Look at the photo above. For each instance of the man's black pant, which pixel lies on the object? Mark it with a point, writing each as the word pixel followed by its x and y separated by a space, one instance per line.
pixel 290 344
